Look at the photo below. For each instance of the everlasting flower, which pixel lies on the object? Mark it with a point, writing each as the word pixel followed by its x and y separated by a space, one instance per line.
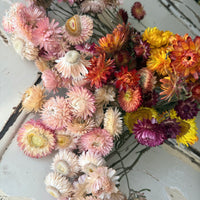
pixel 33 99
pixel 113 121
pixel 89 161
pixel 196 91
pixel 126 79
pixel 141 113
pixel 130 100
pixel 35 139
pixel 78 29
pixel 188 132
pixel 142 49
pixel 87 49
pixel 100 70
pixel 138 11
pixel 186 109
pixel 122 57
pixel 81 100
pixel 95 6
pixel 56 113
pixel 123 14
pixel 41 64
pixel 155 37
pixel 66 163
pixel 118 196
pixel 73 64
pixel 99 115
pixel 97 140
pixel 149 133
pixel 102 182
pixel 44 3
pixel 58 186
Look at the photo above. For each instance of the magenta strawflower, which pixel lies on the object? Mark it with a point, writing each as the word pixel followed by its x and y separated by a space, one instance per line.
pixel 148 132
pixel 56 113
pixel 87 49
pixel 171 128
pixel 142 49
pixel 186 109
pixel 97 140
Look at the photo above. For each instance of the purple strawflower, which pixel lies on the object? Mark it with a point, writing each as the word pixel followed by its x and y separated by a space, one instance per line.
pixel 149 133
pixel 171 128
pixel 186 109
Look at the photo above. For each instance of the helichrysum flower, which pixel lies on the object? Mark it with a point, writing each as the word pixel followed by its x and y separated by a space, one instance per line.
pixel 97 140
pixel 35 139
pixel 141 113
pixel 123 14
pixel 188 132
pixel 113 121
pixel 130 99
pixel 99 115
pixel 156 37
pixel 78 29
pixel 56 113
pixel 102 182
pixel 149 133
pixel 89 161
pixel 41 64
pixel 138 11
pixel 100 70
pixel 73 64
pixel 86 49
pixel 66 163
pixel 81 100
pixel 118 196
pixel 33 98
pixel 95 6
pixel 58 186
pixel 186 109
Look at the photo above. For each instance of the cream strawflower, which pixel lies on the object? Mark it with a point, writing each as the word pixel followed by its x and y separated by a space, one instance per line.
pixel 65 140
pixel 73 64
pixel 58 186
pixel 66 163
pixel 89 161
pixel 102 182
pixel 33 98
pixel 99 115
pixel 78 29
pixel 113 121
pixel 96 6
pixel 104 95
pixel 81 101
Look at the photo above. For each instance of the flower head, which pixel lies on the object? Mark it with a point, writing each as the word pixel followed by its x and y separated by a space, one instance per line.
pixel 123 14
pixel 35 139
pixel 138 11
pixel 56 113
pixel 73 64
pixel 33 99
pixel 95 6
pixel 81 100
pixel 148 132
pixel 78 29
pixel 86 49
pixel 97 140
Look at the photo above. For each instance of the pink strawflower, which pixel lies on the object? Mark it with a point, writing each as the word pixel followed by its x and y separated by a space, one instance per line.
pixel 95 6
pixel 87 49
pixel 35 139
pixel 78 29
pixel 102 182
pixel 149 133
pixel 56 113
pixel 51 80
pixel 81 100
pixel 187 109
pixel 73 64
pixel 97 140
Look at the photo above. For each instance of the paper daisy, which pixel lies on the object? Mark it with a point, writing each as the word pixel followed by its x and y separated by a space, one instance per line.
pixel 113 121
pixel 96 6
pixel 81 100
pixel 90 160
pixel 118 196
pixel 73 64
pixel 102 182
pixel 66 163
pixel 58 186
pixel 78 29
pixel 33 99
pixel 35 139
pixel 56 113
pixel 97 140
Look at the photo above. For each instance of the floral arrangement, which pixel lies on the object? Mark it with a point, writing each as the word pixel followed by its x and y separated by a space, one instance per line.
pixel 116 82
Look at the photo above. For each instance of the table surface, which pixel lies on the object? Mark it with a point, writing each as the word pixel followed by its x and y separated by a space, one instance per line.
pixel 168 173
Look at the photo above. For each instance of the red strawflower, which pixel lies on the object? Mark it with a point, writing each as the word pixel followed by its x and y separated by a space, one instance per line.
pixel 100 70
pixel 122 57
pixel 196 91
pixel 138 11
pixel 142 49
pixel 126 79
pixel 130 100
pixel 123 14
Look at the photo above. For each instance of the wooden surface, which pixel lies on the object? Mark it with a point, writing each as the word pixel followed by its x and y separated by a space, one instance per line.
pixel 168 172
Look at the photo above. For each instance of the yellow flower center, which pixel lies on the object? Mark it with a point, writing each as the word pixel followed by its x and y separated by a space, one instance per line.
pixel 184 127
pixel 63 141
pixel 73 26
pixel 62 167
pixel 128 96
pixel 53 191
pixel 36 140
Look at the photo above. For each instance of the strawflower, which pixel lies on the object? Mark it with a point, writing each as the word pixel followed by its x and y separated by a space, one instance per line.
pixel 138 11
